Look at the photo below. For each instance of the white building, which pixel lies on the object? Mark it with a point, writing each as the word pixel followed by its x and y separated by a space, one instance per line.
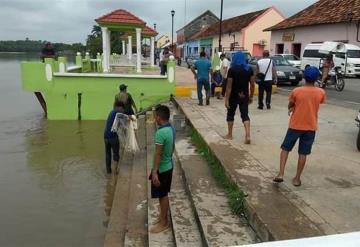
pixel 326 20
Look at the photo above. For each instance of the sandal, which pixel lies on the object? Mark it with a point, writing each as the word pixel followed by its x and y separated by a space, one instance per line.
pixel 278 180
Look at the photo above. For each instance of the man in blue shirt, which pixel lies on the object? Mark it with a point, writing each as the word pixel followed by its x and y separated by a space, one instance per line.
pixel 201 71
pixel 111 138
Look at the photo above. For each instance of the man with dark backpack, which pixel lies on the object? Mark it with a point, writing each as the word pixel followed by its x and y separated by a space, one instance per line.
pixel 266 75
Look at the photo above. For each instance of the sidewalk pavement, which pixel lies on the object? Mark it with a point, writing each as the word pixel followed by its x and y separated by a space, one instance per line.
pixel 328 200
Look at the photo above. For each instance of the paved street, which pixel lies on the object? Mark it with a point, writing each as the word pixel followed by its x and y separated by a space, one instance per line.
pixel 349 98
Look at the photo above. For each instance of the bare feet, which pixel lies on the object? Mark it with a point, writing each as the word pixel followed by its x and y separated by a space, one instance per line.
pixel 228 137
pixel 247 141
pixel 296 182
pixel 157 228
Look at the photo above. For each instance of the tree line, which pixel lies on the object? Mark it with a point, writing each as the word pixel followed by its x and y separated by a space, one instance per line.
pixel 28 45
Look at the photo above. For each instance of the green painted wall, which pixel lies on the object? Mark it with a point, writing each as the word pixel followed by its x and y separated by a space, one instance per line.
pixel 62 93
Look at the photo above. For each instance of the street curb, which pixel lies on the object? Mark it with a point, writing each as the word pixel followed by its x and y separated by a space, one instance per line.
pixel 254 219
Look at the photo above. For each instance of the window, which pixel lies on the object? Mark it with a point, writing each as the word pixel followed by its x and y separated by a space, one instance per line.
pixel 353 54
pixel 313 53
pixel 291 57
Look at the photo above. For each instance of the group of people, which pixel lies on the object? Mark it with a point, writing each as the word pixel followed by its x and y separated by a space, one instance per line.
pixel 239 87
pixel 162 167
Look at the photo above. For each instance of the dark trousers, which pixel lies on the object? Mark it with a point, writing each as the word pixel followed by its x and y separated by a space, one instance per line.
pixel 163 68
pixel 111 145
pixel 265 86
pixel 224 87
pixel 203 82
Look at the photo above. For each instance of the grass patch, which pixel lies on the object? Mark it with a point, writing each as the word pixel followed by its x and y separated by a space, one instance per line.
pixel 234 194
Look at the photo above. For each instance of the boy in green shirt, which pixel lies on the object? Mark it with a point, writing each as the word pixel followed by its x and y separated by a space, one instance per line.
pixel 161 173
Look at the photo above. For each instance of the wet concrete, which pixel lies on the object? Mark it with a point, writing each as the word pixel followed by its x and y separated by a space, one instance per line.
pixel 219 226
pixel 329 195
pixel 285 220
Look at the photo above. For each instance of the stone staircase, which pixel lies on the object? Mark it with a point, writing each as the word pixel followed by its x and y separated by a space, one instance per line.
pixel 199 212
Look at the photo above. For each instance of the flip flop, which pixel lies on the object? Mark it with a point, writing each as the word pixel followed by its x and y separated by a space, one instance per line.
pixel 296 184
pixel 278 180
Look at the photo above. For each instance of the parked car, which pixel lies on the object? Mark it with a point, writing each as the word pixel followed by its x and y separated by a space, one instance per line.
pixel 230 54
pixel 190 60
pixel 313 57
pixel 292 59
pixel 286 73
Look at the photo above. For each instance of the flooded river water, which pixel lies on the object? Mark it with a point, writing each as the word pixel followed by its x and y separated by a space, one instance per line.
pixel 53 191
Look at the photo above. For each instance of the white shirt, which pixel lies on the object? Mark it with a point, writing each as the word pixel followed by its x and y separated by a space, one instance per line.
pixel 263 64
pixel 224 67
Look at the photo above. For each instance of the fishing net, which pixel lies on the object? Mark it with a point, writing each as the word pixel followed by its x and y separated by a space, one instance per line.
pixel 125 129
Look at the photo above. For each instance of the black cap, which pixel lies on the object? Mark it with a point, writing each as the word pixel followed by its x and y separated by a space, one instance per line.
pixel 123 87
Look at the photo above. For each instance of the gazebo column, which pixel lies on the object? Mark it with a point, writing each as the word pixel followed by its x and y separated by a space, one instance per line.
pixel 109 46
pixel 138 50
pixel 123 48
pixel 152 51
pixel 130 47
pixel 106 49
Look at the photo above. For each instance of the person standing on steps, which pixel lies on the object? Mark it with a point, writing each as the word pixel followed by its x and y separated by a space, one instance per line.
pixel 266 75
pixel 240 77
pixel 164 59
pixel 224 68
pixel 201 71
pixel 126 98
pixel 162 170
pixel 112 144
pixel 304 104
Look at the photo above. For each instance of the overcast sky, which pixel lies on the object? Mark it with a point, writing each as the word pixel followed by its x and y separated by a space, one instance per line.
pixel 71 20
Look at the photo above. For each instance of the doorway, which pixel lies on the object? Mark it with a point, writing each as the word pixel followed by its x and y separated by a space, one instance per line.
pixel 279 49
pixel 296 49
pixel 257 50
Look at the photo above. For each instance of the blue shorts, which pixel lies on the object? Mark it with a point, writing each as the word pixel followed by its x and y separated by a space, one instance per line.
pixel 306 140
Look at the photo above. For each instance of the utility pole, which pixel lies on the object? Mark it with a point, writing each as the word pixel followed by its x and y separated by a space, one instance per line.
pixel 220 28
pixel 172 30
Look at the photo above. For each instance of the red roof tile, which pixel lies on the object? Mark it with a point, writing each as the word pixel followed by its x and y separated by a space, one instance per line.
pixel 149 31
pixel 120 16
pixel 323 12
pixel 233 24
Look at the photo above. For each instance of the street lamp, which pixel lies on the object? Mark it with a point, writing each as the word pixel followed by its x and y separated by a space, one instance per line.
pixel 172 30
pixel 220 28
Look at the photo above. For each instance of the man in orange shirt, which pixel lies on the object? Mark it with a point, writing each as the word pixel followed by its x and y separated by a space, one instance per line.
pixel 304 104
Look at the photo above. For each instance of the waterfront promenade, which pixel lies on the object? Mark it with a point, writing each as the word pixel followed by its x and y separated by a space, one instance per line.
pixel 327 203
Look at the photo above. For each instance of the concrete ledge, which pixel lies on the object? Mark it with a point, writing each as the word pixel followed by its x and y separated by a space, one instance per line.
pixel 270 213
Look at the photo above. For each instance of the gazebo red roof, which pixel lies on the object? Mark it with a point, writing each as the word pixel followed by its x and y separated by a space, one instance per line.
pixel 149 31
pixel 120 16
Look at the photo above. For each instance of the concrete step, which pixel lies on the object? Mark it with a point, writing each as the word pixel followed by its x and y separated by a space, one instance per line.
pixel 186 230
pixel 115 233
pixel 136 231
pixel 164 239
pixel 217 224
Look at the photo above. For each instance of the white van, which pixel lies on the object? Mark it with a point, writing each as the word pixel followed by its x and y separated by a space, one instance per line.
pixel 313 57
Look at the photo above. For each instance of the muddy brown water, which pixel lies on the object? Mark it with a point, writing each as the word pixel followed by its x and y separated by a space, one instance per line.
pixel 53 190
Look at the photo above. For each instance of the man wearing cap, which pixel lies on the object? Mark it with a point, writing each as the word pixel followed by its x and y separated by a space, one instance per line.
pixel 304 104
pixel 126 98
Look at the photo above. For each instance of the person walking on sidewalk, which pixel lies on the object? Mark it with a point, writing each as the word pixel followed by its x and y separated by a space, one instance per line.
pixel 201 71
pixel 240 76
pixel 304 104
pixel 266 75
pixel 224 68
pixel 162 170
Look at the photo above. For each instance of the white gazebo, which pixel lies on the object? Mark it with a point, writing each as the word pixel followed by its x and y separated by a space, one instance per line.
pixel 132 27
